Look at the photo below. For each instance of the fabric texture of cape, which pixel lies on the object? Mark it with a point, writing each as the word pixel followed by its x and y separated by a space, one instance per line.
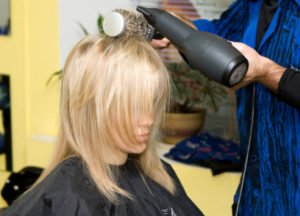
pixel 68 191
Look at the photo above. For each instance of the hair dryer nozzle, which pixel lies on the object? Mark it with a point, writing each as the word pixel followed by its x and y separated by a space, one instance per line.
pixel 143 11
pixel 150 14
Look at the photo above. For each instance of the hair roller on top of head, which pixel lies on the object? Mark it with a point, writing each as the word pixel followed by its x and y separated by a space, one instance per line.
pixel 128 24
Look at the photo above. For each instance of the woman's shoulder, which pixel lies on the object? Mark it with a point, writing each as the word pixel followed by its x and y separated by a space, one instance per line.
pixel 68 168
pixel 174 176
pixel 68 172
pixel 62 190
pixel 69 178
pixel 168 168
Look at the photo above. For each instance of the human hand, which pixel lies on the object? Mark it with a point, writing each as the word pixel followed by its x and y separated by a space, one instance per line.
pixel 260 69
pixel 161 44
pixel 255 66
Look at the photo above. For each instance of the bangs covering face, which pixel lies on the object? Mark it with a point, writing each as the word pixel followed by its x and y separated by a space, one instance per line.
pixel 138 86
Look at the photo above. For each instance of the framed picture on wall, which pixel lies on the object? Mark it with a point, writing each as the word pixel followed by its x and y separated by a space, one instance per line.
pixel 4 17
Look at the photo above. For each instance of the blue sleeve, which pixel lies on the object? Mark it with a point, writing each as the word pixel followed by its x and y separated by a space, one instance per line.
pixel 205 25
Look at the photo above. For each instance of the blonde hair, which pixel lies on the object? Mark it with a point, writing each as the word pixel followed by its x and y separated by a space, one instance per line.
pixel 109 82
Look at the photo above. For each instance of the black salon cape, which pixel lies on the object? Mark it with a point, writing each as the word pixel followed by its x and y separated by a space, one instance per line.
pixel 67 191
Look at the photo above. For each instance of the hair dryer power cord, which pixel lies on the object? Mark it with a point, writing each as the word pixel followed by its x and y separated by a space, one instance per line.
pixel 248 148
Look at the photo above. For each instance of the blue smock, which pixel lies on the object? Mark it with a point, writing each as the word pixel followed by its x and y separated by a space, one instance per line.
pixel 272 183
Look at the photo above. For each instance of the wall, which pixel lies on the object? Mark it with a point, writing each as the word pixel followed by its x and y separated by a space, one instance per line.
pixel 29 55
pixel 85 14
pixel 42 53
pixel 13 63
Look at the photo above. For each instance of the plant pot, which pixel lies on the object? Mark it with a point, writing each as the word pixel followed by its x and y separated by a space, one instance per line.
pixel 179 126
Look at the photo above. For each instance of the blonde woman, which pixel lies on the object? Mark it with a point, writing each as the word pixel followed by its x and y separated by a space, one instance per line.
pixel 113 98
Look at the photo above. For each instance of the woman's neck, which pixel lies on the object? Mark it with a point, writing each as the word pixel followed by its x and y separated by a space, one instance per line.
pixel 116 157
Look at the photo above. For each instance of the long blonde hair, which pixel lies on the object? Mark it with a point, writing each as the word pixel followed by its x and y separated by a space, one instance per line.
pixel 110 81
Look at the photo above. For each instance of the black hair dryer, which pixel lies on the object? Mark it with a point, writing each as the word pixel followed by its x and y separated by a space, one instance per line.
pixel 206 52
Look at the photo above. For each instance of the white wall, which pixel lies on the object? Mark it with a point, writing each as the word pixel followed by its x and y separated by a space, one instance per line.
pixel 211 9
pixel 86 12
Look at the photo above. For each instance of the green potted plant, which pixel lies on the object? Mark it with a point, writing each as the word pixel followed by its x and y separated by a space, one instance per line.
pixel 191 95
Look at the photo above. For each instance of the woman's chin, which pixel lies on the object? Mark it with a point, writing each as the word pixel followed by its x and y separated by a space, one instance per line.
pixel 140 148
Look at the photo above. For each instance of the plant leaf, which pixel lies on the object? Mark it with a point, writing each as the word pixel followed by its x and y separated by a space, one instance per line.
pixel 83 28
pixel 57 74
pixel 100 24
